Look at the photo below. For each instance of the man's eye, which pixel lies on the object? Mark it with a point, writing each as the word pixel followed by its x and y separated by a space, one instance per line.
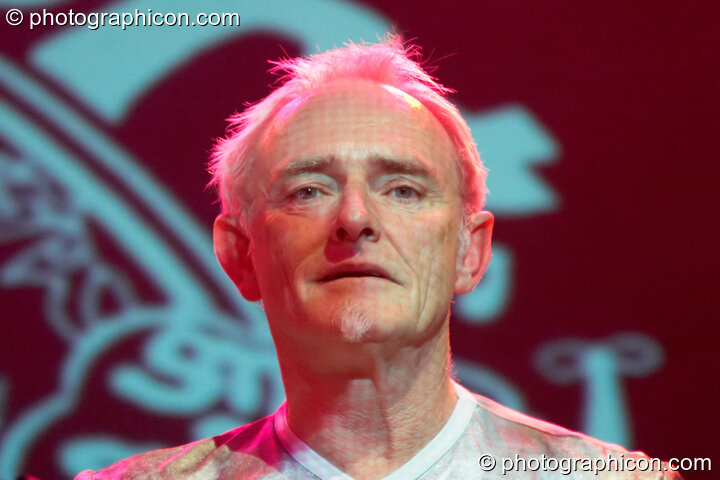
pixel 404 192
pixel 307 193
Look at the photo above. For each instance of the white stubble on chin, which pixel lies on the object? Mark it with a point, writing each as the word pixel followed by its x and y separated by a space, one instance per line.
pixel 354 320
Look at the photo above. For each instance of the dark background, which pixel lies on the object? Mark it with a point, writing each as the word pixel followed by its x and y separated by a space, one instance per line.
pixel 631 93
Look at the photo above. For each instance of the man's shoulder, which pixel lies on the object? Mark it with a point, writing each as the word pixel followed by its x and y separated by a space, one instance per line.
pixel 249 446
pixel 514 428
pixel 510 434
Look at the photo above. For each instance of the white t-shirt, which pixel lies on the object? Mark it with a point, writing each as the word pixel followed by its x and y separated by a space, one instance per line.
pixel 480 440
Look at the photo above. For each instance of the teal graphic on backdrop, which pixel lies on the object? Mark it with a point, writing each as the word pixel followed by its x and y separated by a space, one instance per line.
pixel 600 366
pixel 231 375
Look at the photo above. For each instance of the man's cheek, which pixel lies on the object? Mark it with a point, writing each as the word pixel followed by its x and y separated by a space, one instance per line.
pixel 287 233
pixel 439 249
pixel 437 235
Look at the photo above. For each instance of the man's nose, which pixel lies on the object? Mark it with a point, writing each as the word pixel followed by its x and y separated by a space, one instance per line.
pixel 355 218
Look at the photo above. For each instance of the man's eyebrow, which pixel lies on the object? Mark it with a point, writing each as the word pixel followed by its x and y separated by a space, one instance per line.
pixel 402 165
pixel 302 166
pixel 305 165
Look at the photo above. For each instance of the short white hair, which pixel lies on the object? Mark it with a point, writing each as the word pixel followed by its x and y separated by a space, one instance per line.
pixel 390 63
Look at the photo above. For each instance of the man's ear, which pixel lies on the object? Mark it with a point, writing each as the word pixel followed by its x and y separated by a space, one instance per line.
pixel 474 261
pixel 232 248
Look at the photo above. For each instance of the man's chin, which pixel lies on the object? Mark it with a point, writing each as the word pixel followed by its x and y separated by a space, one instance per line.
pixel 355 322
pixel 360 323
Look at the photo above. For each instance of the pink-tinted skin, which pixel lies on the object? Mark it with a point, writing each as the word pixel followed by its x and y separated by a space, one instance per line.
pixel 358 180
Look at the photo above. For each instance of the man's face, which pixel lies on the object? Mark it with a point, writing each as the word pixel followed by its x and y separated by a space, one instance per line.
pixel 356 215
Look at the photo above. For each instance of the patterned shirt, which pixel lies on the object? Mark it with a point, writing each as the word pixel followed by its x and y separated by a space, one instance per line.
pixel 480 440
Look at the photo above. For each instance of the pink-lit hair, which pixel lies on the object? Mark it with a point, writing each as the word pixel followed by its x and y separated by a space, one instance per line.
pixel 390 63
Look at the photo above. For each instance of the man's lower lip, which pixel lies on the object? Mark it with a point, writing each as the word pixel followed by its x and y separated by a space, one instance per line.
pixel 349 277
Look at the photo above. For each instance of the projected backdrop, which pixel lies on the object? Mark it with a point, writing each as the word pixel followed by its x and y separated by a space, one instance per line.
pixel 122 334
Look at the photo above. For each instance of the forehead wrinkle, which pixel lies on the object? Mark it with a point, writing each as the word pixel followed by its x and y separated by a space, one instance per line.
pixel 301 122
pixel 356 98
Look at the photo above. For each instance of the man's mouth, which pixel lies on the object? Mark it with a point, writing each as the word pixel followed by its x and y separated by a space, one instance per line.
pixel 351 275
pixel 355 271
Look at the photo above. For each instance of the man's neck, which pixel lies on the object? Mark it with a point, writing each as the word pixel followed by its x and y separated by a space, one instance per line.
pixel 372 412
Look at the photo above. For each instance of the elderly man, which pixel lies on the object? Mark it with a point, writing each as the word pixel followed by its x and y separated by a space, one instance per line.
pixel 352 207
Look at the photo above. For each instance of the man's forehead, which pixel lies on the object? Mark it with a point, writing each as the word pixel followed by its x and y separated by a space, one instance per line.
pixel 350 94
pixel 360 107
